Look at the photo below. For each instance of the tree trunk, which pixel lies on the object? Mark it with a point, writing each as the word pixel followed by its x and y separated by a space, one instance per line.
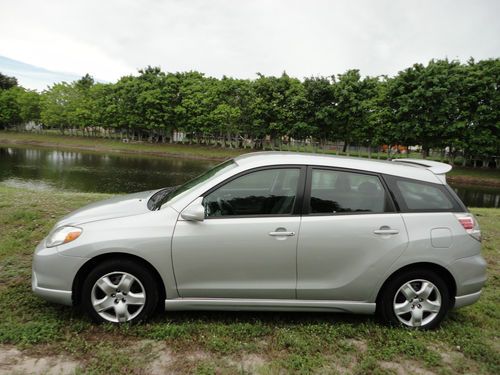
pixel 344 147
pixel 425 152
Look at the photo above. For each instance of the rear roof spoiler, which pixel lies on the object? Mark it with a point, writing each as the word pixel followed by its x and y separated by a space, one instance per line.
pixel 439 169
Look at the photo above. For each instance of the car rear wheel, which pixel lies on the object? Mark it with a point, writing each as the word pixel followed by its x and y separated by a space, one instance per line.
pixel 119 291
pixel 415 299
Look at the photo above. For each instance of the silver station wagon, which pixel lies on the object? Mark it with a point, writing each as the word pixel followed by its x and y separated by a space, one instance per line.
pixel 273 231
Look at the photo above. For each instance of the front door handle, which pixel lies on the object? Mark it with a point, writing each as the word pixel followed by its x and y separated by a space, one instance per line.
pixel 385 230
pixel 279 234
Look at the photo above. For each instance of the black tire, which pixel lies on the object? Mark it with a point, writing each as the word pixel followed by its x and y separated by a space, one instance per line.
pixel 142 286
pixel 391 294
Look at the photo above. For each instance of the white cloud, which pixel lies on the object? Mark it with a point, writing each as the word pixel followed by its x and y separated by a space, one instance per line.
pixel 241 37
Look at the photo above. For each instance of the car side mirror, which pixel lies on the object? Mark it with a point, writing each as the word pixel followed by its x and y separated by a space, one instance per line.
pixel 195 211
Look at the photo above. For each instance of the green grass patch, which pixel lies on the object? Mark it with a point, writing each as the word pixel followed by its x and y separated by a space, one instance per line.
pixel 231 342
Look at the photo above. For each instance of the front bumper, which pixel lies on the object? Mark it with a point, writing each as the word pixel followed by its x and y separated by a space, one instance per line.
pixel 63 297
pixel 53 274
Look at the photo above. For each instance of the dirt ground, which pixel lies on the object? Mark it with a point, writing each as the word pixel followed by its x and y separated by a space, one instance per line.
pixel 14 361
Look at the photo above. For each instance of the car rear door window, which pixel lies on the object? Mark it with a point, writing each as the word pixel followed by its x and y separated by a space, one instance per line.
pixel 334 191
pixel 261 193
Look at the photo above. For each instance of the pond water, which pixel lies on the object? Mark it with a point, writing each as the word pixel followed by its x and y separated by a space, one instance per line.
pixel 93 172
pixel 40 168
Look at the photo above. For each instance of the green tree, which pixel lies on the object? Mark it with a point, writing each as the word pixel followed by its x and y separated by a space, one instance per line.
pixel 352 101
pixel 55 103
pixel 103 106
pixel 18 106
pixel 368 131
pixel 444 104
pixel 197 95
pixel 280 107
pixel 29 105
pixel 478 133
pixel 7 82
pixel 320 113
pixel 424 104
pixel 10 111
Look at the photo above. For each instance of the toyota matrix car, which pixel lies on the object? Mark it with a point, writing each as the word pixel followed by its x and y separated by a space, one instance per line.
pixel 273 231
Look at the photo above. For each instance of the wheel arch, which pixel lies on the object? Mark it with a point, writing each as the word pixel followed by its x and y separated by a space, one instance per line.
pixel 438 269
pixel 91 263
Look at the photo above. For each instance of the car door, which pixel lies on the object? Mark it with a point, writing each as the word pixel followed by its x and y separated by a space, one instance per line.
pixel 247 244
pixel 350 235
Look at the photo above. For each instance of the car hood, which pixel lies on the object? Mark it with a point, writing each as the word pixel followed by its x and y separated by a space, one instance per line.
pixel 119 206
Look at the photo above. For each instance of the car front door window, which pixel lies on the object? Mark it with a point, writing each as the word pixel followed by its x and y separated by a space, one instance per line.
pixel 260 193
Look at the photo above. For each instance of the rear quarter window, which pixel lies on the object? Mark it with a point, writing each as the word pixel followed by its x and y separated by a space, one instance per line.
pixel 418 196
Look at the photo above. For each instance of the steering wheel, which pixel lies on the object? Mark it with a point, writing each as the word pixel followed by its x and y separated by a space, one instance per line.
pixel 224 206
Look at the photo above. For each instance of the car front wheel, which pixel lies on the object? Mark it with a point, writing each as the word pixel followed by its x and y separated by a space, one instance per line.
pixel 416 299
pixel 119 291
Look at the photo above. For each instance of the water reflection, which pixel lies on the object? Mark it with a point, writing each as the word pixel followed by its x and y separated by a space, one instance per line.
pixel 94 172
pixel 120 173
pixel 478 196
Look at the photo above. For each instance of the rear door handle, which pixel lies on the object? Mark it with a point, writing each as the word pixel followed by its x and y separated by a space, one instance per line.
pixel 385 230
pixel 279 234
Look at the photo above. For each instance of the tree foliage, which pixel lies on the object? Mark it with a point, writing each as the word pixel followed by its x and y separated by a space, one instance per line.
pixel 7 82
pixel 442 105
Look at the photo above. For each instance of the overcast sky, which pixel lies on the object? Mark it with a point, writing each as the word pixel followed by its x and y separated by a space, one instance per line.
pixel 239 38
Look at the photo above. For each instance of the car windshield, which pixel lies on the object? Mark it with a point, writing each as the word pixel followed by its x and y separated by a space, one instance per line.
pixel 211 173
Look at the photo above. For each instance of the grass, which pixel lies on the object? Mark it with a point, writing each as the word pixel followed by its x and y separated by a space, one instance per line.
pixel 474 172
pixel 230 342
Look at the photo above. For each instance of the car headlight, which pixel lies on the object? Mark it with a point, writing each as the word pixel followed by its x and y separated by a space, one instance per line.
pixel 63 235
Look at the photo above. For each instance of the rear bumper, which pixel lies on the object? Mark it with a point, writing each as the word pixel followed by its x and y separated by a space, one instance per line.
pixel 468 299
pixel 470 276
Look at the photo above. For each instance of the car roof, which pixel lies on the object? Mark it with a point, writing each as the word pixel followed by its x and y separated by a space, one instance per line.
pixel 414 169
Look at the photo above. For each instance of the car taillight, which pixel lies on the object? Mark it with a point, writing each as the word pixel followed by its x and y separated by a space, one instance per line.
pixel 470 224
pixel 467 222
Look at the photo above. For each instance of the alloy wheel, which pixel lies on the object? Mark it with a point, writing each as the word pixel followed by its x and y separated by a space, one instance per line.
pixel 118 297
pixel 417 303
